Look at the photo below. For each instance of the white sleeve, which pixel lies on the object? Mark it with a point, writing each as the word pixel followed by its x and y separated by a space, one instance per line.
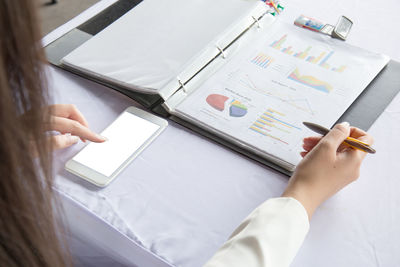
pixel 270 236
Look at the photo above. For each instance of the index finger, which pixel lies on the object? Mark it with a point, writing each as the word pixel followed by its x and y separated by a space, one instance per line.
pixel 361 135
pixel 356 154
pixel 64 125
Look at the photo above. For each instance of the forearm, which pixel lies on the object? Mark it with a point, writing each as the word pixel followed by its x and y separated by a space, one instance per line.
pixel 270 236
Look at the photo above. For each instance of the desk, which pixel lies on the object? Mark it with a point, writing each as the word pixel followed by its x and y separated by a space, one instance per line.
pixel 184 195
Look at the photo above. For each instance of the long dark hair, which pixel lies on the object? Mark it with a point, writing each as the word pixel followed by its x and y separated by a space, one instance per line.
pixel 28 232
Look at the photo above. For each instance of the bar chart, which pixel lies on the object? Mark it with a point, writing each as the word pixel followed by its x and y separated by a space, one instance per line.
pixel 308 54
pixel 310 81
pixel 272 123
pixel 262 60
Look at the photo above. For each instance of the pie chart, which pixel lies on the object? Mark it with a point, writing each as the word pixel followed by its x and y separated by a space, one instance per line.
pixel 237 109
pixel 217 101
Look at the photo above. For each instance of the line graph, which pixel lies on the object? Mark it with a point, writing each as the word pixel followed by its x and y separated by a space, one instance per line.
pixel 302 104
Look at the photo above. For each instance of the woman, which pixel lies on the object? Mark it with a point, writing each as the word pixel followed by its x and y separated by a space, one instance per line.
pixel 30 234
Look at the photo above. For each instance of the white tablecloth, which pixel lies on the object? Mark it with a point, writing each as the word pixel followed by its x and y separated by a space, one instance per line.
pixel 184 195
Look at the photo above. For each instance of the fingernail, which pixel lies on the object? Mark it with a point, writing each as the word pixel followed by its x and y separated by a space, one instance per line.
pixel 345 124
pixel 73 139
pixel 102 137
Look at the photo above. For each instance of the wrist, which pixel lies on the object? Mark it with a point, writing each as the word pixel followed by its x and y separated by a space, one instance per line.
pixel 302 194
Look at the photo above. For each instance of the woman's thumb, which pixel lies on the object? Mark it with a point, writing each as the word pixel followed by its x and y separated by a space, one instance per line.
pixel 63 140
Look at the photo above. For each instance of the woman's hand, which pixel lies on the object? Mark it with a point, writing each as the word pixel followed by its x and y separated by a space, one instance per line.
pixel 69 121
pixel 327 166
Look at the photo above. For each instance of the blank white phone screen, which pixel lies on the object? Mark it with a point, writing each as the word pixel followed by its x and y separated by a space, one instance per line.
pixel 125 135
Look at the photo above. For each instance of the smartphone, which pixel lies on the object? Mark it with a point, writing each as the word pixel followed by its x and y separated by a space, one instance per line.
pixel 128 135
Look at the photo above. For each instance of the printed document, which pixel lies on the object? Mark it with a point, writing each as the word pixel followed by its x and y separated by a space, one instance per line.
pixel 262 95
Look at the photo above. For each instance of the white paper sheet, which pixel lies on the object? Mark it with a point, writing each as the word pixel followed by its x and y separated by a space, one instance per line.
pixel 149 45
pixel 264 93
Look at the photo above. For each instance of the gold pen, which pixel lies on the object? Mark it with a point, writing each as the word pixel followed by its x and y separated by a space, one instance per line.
pixel 352 142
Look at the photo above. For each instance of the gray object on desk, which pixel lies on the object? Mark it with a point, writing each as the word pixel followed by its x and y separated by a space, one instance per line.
pixel 362 113
pixel 375 98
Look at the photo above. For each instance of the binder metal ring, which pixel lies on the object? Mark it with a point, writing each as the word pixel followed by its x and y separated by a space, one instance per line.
pixel 182 85
pixel 257 22
pixel 221 51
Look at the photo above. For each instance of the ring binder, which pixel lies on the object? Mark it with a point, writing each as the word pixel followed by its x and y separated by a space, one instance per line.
pixel 202 71
pixel 255 19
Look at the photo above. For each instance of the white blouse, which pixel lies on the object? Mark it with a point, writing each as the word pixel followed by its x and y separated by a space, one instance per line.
pixel 270 236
